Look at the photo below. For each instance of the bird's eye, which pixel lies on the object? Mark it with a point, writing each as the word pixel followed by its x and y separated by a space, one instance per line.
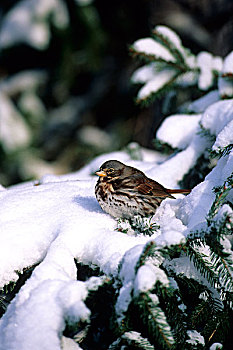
pixel 110 171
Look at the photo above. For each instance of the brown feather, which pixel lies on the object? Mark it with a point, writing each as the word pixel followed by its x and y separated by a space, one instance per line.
pixel 144 188
pixel 178 191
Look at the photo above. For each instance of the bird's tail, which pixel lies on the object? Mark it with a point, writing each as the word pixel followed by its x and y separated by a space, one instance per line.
pixel 178 191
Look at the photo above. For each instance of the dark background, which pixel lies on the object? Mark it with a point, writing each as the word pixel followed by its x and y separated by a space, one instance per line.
pixel 88 65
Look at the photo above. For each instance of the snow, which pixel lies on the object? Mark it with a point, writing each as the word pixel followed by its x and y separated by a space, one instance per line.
pixel 228 64
pixel 144 74
pixel 69 344
pixel 146 278
pixel 26 22
pixel 194 208
pixel 14 132
pixel 204 62
pixel 207 65
pixel 217 116
pixel 203 68
pixel 149 46
pixel 225 137
pixel 28 80
pixel 127 276
pixel 177 130
pixel 49 222
pixel 203 102
pixel 225 84
pixel 156 83
pixel 225 87
pixel 172 36
pixel 50 225
pixel 168 173
pixel 216 346
pixel 195 338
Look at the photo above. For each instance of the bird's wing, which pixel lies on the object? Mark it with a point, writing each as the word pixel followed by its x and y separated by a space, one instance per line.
pixel 152 188
pixel 145 188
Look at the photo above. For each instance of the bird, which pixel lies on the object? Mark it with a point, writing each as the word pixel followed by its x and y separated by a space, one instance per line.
pixel 124 191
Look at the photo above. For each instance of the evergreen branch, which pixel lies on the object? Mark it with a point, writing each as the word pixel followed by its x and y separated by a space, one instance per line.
pixel 209 316
pixel 170 301
pixel 213 267
pixel 212 234
pixel 207 309
pixel 157 94
pixel 217 326
pixel 163 147
pixel 155 320
pixel 131 339
pixel 165 41
pixel 157 254
pixel 221 260
pixel 214 331
pixel 148 58
pixel 221 152
pixel 206 133
pixel 221 193
pixel 200 313
pixel 202 263
pixel 149 251
pixel 224 268
pixel 137 225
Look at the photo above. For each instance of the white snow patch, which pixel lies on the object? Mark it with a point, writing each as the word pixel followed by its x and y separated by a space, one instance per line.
pixel 228 64
pixel 144 74
pixel 216 346
pixel 225 87
pixel 178 130
pixel 156 83
pixel 205 101
pixel 147 276
pixel 204 62
pixel 26 22
pixel 225 137
pixel 149 46
pixel 14 132
pixel 172 170
pixel 172 36
pixel 195 338
pixel 217 116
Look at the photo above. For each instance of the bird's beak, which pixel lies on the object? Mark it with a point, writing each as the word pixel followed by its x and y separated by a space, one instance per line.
pixel 101 173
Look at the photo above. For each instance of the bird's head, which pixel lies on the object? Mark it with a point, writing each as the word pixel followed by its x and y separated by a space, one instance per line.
pixel 111 169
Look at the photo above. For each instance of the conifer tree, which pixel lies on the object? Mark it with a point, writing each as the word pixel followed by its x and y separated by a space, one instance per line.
pixel 186 302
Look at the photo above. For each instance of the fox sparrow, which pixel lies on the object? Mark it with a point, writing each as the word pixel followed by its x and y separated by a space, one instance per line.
pixel 123 191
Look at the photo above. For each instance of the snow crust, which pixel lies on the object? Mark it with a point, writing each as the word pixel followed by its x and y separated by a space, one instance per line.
pixel 50 222
pixel 225 137
pixel 177 130
pixel 217 116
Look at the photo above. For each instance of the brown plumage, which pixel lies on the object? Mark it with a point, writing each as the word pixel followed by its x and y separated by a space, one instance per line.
pixel 124 191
